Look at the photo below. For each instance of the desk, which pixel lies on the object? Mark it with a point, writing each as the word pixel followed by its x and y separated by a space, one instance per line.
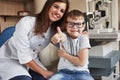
pixel 105 36
pixel 104 66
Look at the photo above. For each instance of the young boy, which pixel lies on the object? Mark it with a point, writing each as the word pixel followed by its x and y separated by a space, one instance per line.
pixel 73 63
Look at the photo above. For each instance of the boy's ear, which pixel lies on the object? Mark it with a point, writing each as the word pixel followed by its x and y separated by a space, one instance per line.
pixel 85 28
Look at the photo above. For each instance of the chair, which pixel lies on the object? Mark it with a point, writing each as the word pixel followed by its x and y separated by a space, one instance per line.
pixel 6 34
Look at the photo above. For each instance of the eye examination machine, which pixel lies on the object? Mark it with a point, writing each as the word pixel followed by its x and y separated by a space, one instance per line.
pixel 102 24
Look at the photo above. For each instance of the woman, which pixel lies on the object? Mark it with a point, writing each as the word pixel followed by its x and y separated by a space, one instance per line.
pixel 19 60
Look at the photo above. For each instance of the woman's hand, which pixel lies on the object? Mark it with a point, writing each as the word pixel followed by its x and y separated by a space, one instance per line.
pixel 35 67
pixel 85 33
pixel 47 74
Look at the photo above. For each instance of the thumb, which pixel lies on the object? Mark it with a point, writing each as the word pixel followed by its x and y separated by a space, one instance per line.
pixel 59 30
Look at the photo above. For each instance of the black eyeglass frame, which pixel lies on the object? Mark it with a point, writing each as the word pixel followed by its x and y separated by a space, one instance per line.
pixel 72 24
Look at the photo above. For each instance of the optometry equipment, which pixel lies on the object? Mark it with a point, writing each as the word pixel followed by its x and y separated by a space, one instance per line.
pixel 99 16
pixel 102 24
pixel 102 19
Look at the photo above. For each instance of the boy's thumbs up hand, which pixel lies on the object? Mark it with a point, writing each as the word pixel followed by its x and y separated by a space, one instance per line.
pixel 59 36
pixel 60 33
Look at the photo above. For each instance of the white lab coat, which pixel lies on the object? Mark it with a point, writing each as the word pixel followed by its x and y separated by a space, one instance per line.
pixel 21 48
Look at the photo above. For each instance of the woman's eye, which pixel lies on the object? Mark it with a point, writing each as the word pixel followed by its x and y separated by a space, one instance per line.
pixel 63 11
pixel 56 6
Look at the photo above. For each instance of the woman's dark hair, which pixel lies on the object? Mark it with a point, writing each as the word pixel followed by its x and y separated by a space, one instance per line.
pixel 72 14
pixel 42 19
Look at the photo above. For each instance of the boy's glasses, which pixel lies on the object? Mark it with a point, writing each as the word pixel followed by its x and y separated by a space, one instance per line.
pixel 78 25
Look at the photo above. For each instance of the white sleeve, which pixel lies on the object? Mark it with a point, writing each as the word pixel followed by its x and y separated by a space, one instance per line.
pixel 22 43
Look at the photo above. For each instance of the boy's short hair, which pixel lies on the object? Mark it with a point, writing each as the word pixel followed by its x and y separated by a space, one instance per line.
pixel 72 14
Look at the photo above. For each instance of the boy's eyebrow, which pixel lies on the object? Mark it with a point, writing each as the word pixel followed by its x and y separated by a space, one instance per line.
pixel 74 22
